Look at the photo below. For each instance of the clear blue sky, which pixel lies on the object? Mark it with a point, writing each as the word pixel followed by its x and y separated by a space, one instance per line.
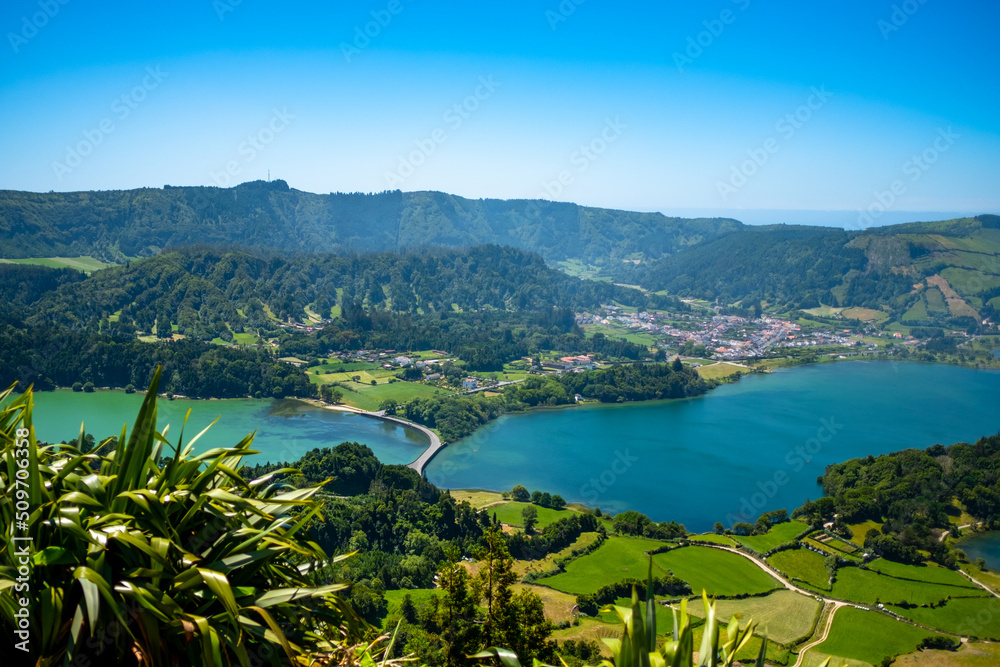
pixel 667 120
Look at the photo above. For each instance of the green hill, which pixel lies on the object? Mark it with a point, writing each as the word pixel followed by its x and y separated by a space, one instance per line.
pixel 115 225
pixel 925 273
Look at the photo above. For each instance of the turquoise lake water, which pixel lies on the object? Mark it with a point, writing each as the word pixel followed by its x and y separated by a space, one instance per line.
pixel 741 449
pixel 985 546
pixel 744 448
pixel 285 429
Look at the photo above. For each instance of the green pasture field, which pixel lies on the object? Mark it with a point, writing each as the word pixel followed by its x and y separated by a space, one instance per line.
pixel 926 573
pixel 720 370
pixel 715 571
pixel 85 263
pixel 510 513
pixel 804 565
pixel 779 534
pixel 618 558
pixel 345 366
pixel 869 587
pixel 395 598
pixel 786 616
pixel 917 312
pixel 935 301
pixel 977 617
pixel 870 636
pixel 861 529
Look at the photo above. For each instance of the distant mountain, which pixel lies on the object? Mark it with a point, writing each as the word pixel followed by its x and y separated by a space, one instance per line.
pixel 922 273
pixel 120 224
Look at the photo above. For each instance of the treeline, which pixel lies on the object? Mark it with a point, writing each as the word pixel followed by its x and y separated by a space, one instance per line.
pixel 912 492
pixel 47 357
pixel 669 586
pixel 636 382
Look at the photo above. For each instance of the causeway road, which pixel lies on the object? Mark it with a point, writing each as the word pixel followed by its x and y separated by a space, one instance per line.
pixel 435 445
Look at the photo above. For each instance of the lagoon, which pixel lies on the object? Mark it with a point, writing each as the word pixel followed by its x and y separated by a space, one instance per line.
pixel 285 429
pixel 983 545
pixel 742 449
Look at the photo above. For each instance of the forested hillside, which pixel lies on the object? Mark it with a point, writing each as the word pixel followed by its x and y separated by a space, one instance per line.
pixel 115 225
pixel 208 293
pixel 488 305
pixel 922 273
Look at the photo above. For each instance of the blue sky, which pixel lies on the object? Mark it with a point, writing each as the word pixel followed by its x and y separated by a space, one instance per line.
pixel 722 106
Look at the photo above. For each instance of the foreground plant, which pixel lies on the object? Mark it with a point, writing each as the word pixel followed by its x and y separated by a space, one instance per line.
pixel 637 646
pixel 146 553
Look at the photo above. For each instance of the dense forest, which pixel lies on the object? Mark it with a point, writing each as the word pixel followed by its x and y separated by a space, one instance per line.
pixel 201 290
pixel 488 306
pixel 119 224
pixel 913 493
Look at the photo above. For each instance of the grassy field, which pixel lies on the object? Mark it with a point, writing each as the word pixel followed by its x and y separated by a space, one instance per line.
pixel 803 565
pixel 917 312
pixel 928 573
pixel 828 549
pixel 935 301
pixel 86 263
pixel 476 497
pixel 418 595
pixel 720 370
pixel 558 605
pixel 786 616
pixel 864 314
pixel 510 513
pixel 618 558
pixel 979 654
pixel 988 577
pixel 718 572
pixel 779 534
pixel 861 529
pixel 977 617
pixel 869 587
pixel 367 396
pixel 523 567
pixel 869 636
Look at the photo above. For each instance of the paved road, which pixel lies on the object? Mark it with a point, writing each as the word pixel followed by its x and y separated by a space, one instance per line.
pixel 435 441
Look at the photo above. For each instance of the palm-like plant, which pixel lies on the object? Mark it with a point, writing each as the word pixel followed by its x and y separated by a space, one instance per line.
pixel 637 645
pixel 146 553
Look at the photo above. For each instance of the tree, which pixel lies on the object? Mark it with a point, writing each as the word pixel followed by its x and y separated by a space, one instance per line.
pixel 88 387
pixel 719 528
pixel 529 517
pixel 77 386
pixel 677 366
pixel 558 502
pixel 513 621
pixel 520 494
pixel 389 406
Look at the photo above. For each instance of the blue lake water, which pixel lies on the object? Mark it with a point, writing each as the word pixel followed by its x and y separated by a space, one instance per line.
pixel 741 449
pixel 985 546
pixel 285 429
pixel 744 448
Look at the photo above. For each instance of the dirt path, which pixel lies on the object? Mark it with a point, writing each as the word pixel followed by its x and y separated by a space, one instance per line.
pixel 822 638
